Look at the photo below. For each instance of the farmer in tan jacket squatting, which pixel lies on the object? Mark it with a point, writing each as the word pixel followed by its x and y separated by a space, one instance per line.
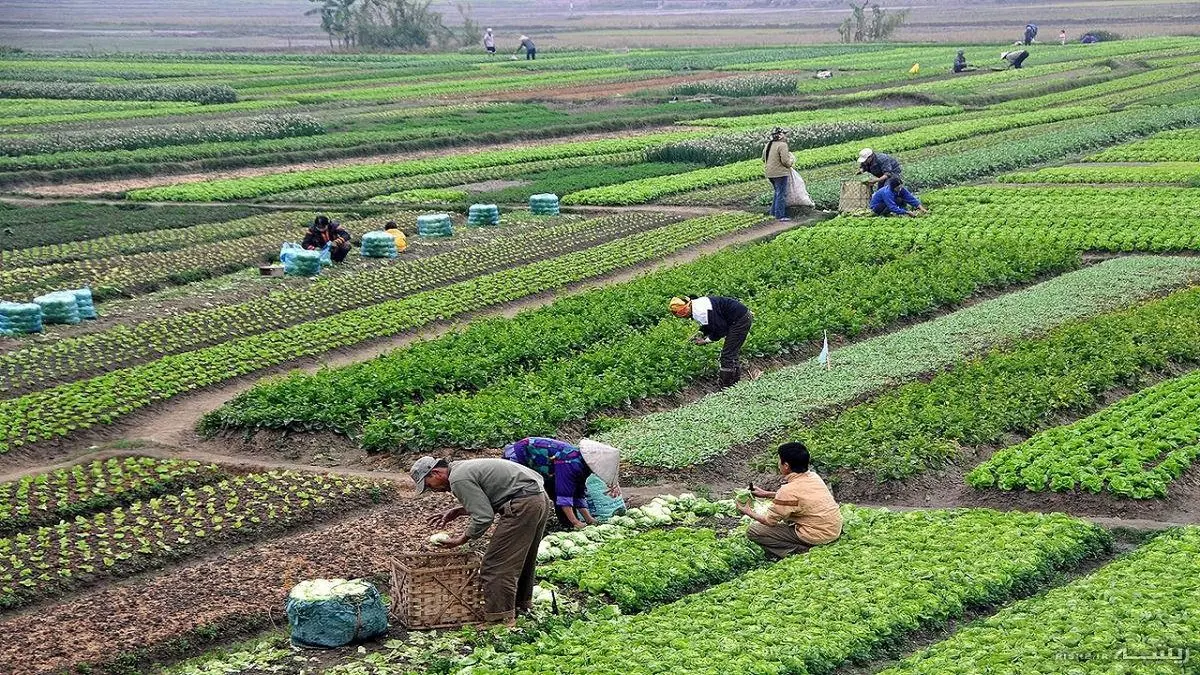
pixel 803 513
pixel 486 487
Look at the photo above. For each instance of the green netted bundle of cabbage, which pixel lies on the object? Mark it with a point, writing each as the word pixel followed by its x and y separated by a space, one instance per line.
pixel 335 612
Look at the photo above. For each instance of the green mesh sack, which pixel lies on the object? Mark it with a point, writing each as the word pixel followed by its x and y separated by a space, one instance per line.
pixel 378 244
pixel 483 215
pixel 333 613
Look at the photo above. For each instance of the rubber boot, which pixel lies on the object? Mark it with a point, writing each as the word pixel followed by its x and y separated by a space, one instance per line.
pixel 728 377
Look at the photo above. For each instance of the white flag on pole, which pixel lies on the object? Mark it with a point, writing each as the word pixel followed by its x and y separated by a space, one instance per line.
pixel 823 357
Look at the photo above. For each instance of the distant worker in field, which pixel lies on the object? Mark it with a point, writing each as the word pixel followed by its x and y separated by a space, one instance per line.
pixel 530 49
pixel 323 231
pixel 1062 37
pixel 720 318
pixel 777 167
pixel 960 63
pixel 803 512
pixel 1089 39
pixel 893 199
pixel 1015 59
pixel 1031 32
pixel 881 166
pixel 489 42
pixel 565 469
pixel 486 488
pixel 397 234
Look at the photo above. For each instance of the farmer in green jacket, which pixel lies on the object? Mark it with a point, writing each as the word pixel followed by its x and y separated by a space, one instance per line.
pixel 485 488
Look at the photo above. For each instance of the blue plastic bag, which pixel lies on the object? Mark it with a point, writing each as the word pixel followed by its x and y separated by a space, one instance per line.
pixel 288 250
pixel 326 254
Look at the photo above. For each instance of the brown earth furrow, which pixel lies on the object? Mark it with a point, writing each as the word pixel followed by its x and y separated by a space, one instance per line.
pixel 233 590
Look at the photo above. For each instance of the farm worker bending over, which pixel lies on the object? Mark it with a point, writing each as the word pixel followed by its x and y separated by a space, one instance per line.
pixel 322 232
pixel 1031 32
pixel 719 318
pixel 489 42
pixel 565 469
pixel 527 45
pixel 893 199
pixel 1015 59
pixel 777 167
pixel 393 229
pixel 803 512
pixel 882 166
pixel 486 487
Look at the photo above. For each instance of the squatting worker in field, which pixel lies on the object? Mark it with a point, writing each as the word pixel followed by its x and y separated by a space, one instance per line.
pixel 484 488
pixel 777 167
pixel 323 231
pixel 882 167
pixel 893 199
pixel 397 235
pixel 1015 59
pixel 803 512
pixel 960 63
pixel 719 318
pixel 565 469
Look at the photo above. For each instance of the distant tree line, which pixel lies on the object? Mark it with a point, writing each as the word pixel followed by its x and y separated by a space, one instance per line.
pixel 392 24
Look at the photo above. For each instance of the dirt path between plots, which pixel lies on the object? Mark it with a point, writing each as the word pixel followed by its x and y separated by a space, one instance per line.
pixel 117 185
pixel 230 593
pixel 173 423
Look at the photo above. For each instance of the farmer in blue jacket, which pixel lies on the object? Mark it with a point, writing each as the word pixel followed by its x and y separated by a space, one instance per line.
pixel 893 199
pixel 719 318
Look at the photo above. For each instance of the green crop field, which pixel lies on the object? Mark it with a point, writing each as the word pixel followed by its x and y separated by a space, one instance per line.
pixel 195 417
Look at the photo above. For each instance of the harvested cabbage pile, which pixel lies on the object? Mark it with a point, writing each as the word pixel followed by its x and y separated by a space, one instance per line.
pixel 328 589
pixel 683 509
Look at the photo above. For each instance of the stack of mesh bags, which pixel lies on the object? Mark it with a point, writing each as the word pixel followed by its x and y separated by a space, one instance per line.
pixel 378 244
pixel 59 307
pixel 303 264
pixel 435 225
pixel 544 205
pixel 83 300
pixel 483 215
pixel 17 318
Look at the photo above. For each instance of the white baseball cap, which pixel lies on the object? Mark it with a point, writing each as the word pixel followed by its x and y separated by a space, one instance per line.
pixel 865 154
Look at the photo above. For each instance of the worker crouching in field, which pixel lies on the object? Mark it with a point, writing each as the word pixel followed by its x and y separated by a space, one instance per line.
pixel 882 167
pixel 397 235
pixel 893 199
pixel 960 63
pixel 565 469
pixel 803 512
pixel 323 231
pixel 484 488
pixel 719 318
pixel 1015 59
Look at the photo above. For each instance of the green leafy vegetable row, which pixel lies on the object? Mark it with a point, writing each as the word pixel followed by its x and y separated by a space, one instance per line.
pixel 889 575
pixel 1162 172
pixel 876 284
pixel 78 405
pixel 46 498
pixel 784 398
pixel 1015 390
pixel 1137 615
pixel 1134 448
pixel 657 566
pixel 148 534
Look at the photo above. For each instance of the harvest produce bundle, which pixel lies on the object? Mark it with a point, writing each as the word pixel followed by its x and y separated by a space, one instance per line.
pixel 544 205
pixel 303 264
pixel 83 301
pixel 60 307
pixel 378 244
pixel 435 225
pixel 17 318
pixel 481 215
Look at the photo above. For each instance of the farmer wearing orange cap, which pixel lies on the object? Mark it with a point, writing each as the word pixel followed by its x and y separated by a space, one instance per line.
pixel 719 318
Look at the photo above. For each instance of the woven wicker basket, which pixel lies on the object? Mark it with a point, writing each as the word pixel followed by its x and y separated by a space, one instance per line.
pixel 856 196
pixel 436 590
